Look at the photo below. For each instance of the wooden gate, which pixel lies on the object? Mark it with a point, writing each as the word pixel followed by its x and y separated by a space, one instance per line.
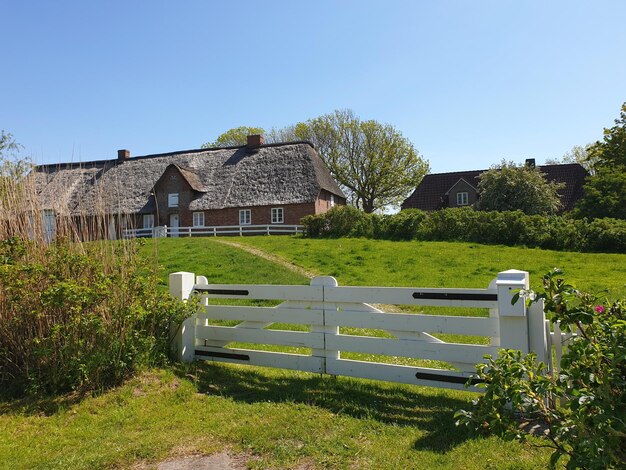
pixel 324 311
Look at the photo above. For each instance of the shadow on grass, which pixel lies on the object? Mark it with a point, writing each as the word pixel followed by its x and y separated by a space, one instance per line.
pixel 432 413
pixel 46 406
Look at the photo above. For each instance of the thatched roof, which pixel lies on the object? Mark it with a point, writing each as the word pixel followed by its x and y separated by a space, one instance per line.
pixel 287 173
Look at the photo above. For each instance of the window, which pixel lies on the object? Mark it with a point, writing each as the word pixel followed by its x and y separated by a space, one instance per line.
pixel 245 217
pixel 49 225
pixel 198 219
pixel 278 215
pixel 462 199
pixel 172 200
pixel 332 200
pixel 148 220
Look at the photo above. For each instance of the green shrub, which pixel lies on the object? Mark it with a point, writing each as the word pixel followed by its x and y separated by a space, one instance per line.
pixel 584 407
pixel 402 226
pixel 78 316
pixel 340 221
pixel 465 224
pixel 605 235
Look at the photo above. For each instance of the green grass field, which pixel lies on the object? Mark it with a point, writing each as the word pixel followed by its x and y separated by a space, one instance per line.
pixel 387 263
pixel 442 264
pixel 284 419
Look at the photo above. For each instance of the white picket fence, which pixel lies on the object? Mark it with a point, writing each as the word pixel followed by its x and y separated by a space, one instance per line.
pixel 324 307
pixel 212 231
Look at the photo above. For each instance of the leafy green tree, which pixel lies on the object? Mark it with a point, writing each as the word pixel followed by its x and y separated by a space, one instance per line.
pixel 509 187
pixel 605 191
pixel 374 163
pixel 7 143
pixel 233 137
pixel 577 154
pixel 12 166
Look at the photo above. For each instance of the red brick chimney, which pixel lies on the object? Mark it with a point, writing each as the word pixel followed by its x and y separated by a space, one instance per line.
pixel 123 155
pixel 254 141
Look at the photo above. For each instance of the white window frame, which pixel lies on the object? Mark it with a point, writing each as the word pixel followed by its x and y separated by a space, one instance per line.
pixel 198 219
pixel 462 198
pixel 172 200
pixel 245 217
pixel 278 215
pixel 332 200
pixel 148 221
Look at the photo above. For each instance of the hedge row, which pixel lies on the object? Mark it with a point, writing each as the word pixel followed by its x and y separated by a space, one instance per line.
pixel 466 224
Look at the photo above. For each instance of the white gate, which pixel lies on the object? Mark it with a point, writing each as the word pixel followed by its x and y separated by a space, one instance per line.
pixel 324 307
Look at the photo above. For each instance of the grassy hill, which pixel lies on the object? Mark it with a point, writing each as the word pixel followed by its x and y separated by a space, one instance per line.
pixel 276 418
pixel 389 263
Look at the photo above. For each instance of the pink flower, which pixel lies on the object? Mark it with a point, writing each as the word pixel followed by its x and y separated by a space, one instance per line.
pixel 599 309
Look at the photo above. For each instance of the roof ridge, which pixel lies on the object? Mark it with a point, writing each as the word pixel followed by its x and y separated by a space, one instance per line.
pixel 454 172
pixel 487 169
pixel 166 154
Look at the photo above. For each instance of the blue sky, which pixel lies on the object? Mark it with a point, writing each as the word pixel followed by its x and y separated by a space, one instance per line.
pixel 468 82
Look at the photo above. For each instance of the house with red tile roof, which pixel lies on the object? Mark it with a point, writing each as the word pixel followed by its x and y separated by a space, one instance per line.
pixel 457 189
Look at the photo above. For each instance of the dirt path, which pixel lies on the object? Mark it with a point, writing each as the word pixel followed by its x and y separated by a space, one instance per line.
pixel 269 257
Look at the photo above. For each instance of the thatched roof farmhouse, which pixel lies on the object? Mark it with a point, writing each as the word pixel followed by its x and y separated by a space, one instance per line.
pixel 252 184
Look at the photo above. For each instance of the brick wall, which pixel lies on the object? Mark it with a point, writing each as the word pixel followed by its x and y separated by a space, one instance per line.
pixel 322 204
pixel 260 215
pixel 173 182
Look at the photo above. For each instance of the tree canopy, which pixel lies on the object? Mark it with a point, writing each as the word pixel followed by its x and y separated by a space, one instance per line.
pixel 374 163
pixel 11 165
pixel 235 136
pixel 605 191
pixel 7 144
pixel 577 154
pixel 509 187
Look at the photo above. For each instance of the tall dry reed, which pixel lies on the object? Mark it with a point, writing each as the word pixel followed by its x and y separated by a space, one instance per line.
pixel 77 310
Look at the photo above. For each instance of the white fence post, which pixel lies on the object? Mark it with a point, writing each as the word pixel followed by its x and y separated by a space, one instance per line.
pixel 513 321
pixel 328 355
pixel 181 287
pixel 538 341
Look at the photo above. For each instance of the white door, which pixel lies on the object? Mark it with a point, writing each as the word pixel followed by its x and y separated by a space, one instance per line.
pixel 173 225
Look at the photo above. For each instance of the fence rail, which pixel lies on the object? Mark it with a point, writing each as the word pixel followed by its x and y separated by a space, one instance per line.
pixel 212 231
pixel 326 309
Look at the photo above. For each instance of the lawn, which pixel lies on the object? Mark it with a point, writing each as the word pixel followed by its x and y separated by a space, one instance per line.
pixel 442 264
pixel 279 418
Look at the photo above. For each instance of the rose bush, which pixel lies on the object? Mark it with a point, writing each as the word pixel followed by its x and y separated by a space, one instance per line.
pixel 583 408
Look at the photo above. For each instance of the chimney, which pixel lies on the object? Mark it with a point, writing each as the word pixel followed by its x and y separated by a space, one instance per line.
pixel 254 141
pixel 530 162
pixel 123 155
